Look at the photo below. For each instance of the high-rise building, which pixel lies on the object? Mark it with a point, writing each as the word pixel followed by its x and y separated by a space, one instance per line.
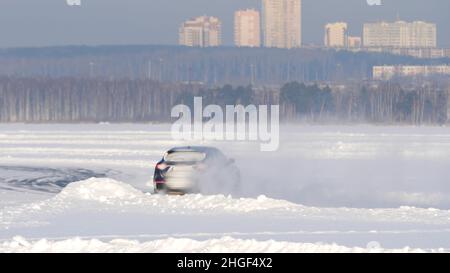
pixel 336 35
pixel 282 23
pixel 203 31
pixel 247 31
pixel 400 34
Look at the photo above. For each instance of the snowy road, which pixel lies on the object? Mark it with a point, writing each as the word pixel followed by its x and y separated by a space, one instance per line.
pixel 340 189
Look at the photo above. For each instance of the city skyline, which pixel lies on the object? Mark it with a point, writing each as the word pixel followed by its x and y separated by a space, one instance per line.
pixel 201 31
pixel 247 28
pixel 400 34
pixel 383 34
pixel 279 26
pixel 336 34
pixel 282 23
pixel 48 22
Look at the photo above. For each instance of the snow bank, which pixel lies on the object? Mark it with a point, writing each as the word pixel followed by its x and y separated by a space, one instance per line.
pixel 109 194
pixel 102 190
pixel 112 192
pixel 222 245
pixel 105 195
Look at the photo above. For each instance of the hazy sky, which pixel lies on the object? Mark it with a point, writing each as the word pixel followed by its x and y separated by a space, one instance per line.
pixel 53 22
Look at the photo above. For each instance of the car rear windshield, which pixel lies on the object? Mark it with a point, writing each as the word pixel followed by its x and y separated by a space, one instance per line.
pixel 187 156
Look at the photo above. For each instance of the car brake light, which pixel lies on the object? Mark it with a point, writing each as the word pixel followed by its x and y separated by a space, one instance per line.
pixel 161 166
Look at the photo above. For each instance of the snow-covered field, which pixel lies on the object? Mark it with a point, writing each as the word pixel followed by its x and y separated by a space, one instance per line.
pixel 328 189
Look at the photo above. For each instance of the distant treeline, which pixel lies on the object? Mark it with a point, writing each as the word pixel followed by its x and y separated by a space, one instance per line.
pixel 136 100
pixel 86 100
pixel 387 102
pixel 211 66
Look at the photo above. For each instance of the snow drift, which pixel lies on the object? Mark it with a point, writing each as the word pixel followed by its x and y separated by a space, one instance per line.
pixel 108 194
pixel 222 245
pixel 106 215
pixel 110 191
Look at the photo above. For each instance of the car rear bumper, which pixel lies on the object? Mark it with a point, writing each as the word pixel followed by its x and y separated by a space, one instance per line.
pixel 176 187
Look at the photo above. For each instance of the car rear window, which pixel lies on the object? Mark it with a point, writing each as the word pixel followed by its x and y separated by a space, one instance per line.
pixel 185 157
